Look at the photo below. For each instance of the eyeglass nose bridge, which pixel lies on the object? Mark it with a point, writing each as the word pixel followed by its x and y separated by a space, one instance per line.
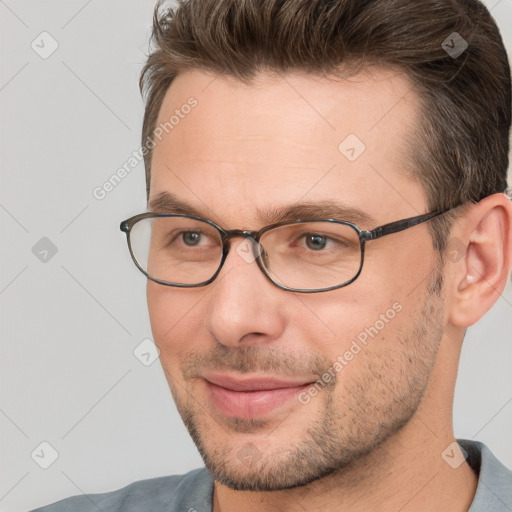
pixel 249 254
pixel 244 233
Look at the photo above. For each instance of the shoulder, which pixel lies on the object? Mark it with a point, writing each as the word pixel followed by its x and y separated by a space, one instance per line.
pixel 189 492
pixel 494 489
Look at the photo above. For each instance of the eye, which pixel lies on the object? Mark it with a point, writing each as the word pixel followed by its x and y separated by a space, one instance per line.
pixel 320 241
pixel 315 242
pixel 191 238
pixel 185 239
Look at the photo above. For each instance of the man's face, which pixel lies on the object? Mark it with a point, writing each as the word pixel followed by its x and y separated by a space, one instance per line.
pixel 241 355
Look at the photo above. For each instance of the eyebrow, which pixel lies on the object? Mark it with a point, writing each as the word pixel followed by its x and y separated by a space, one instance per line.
pixel 165 202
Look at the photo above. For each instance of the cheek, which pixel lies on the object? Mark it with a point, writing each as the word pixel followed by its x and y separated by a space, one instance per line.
pixel 176 319
pixel 399 263
pixel 361 312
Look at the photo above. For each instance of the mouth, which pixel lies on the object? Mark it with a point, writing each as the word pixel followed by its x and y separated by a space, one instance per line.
pixel 251 397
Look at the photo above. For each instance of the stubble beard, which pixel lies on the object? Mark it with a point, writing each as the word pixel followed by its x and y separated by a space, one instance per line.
pixel 376 404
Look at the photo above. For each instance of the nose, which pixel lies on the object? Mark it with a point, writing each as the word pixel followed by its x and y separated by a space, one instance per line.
pixel 244 306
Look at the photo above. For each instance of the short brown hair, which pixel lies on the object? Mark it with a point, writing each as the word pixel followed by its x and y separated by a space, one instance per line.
pixel 461 144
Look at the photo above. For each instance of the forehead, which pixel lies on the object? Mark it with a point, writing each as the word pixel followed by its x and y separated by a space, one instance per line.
pixel 286 138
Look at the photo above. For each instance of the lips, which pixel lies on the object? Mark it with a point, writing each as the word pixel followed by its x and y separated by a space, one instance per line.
pixel 251 397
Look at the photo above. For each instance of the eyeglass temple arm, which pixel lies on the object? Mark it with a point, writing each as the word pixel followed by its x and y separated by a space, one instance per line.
pixel 399 225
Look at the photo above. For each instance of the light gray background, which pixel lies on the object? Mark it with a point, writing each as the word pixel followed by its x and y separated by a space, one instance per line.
pixel 69 326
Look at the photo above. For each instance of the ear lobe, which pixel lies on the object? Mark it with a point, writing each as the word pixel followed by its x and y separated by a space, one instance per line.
pixel 486 262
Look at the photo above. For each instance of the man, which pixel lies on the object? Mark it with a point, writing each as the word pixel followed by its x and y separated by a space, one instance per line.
pixel 327 217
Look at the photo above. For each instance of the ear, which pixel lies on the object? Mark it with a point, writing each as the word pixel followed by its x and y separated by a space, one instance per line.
pixel 484 241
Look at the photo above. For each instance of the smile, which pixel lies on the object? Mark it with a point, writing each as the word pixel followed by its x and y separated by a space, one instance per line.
pixel 251 397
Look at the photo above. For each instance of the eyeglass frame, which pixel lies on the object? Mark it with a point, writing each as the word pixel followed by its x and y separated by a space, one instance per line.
pixel 226 235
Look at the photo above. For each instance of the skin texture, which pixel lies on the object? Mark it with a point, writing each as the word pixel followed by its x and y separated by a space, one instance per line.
pixel 371 438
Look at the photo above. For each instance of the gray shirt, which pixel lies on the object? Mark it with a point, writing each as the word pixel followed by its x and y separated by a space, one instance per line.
pixel 193 491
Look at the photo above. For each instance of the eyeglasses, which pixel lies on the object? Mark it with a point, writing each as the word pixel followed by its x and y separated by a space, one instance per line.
pixel 305 256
